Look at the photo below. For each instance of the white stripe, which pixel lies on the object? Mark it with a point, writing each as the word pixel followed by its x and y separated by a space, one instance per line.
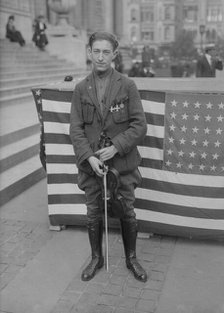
pixel 56 106
pixel 150 216
pixel 153 107
pixel 59 149
pixel 59 189
pixel 72 209
pixel 180 200
pixel 181 178
pixel 171 219
pixel 155 131
pixel 56 128
pixel 151 153
pixel 61 168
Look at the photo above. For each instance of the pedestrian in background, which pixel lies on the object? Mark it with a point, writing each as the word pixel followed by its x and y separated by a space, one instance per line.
pixel 12 33
pixel 107 104
pixel 208 63
pixel 39 37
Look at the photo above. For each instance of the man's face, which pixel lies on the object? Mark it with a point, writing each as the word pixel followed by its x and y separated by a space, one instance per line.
pixel 212 52
pixel 102 55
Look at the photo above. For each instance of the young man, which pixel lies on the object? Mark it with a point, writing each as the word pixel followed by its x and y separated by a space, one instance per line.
pixel 107 103
pixel 208 63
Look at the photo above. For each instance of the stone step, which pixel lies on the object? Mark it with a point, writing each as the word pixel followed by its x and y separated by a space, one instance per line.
pixel 11 62
pixel 21 89
pixel 18 116
pixel 15 99
pixel 19 178
pixel 40 71
pixel 21 67
pixel 19 151
pixel 19 81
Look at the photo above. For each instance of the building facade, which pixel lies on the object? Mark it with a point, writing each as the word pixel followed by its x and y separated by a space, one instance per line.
pixel 159 22
pixel 136 22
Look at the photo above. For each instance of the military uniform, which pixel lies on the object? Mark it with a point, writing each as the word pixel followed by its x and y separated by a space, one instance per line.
pixel 122 119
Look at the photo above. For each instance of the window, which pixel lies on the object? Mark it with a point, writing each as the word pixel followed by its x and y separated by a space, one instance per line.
pixel 167 13
pixel 167 33
pixel 148 35
pixel 214 13
pixel 190 13
pixel 133 15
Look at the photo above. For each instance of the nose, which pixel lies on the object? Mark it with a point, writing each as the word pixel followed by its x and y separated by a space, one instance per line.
pixel 100 57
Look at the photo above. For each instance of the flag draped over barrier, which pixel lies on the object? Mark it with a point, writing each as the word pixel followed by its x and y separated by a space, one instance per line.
pixel 182 191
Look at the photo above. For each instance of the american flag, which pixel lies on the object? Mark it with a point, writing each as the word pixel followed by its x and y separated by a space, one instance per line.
pixel 171 200
pixel 194 134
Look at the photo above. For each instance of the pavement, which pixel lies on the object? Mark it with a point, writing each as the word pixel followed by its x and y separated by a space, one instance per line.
pixel 40 269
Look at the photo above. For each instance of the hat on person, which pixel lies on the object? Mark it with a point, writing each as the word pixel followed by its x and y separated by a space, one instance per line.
pixel 209 47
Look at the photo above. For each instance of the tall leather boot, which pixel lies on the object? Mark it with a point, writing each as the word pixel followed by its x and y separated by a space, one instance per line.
pixel 129 235
pixel 95 232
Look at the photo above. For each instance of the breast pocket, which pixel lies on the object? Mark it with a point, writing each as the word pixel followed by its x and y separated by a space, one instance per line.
pixel 88 112
pixel 120 111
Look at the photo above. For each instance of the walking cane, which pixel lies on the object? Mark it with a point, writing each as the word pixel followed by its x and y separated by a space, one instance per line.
pixel 106 220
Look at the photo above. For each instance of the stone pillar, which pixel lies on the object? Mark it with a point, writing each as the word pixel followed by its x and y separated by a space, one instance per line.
pixel 118 18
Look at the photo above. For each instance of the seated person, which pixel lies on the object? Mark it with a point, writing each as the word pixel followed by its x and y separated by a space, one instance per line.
pixel 12 33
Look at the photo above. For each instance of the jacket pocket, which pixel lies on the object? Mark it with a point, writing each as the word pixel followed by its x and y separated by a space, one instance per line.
pixel 119 110
pixel 88 112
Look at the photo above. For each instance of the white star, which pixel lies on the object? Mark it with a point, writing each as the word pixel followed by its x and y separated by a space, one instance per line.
pixel 180 153
pixel 217 144
pixel 215 156
pixel 182 141
pixel 173 115
pixel 179 165
pixel 206 130
pixel 39 101
pixel 171 139
pixel 168 163
pixel 195 129
pixel 218 131
pixel 221 105
pixel 174 103
pixel 208 118
pixel 38 92
pixel 222 168
pixel 194 142
pixel 172 127
pixel 190 166
pixel 185 103
pixel 202 167
pixel 213 167
pixel 196 117
pixel 205 143
pixel 169 151
pixel 203 155
pixel 183 128
pixel 184 116
pixel 192 154
pixel 220 118
pixel 209 105
pixel 197 104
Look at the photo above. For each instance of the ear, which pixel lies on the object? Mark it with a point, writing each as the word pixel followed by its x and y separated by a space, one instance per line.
pixel 115 54
pixel 89 52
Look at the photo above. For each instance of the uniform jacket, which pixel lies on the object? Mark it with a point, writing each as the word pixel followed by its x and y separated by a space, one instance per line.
pixel 123 120
pixel 204 69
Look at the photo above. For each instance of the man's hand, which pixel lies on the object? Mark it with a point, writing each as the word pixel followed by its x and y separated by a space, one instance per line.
pixel 97 165
pixel 106 153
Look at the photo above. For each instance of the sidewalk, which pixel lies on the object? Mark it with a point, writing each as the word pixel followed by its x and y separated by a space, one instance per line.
pixel 40 269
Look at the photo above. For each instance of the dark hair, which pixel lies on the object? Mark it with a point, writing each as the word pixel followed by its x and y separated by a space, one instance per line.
pixel 103 36
pixel 11 17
